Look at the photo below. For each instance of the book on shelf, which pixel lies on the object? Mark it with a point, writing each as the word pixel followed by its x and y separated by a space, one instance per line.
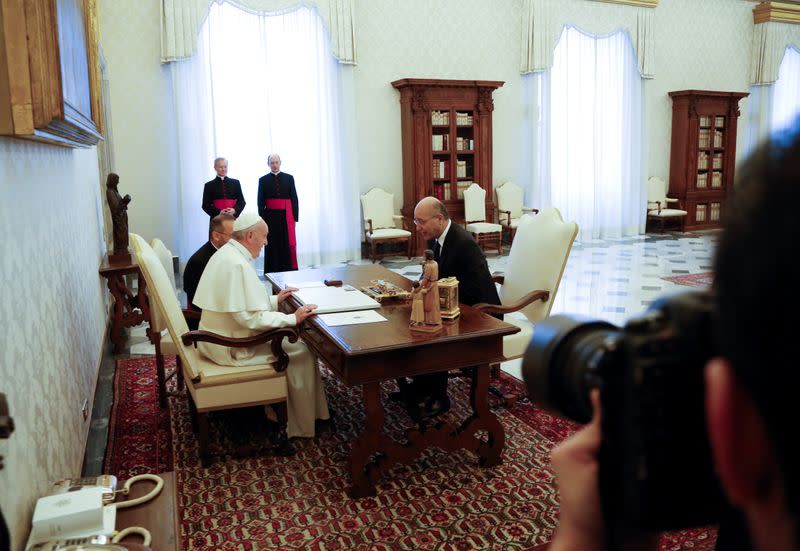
pixel 440 117
pixel 446 188
pixel 705 121
pixel 719 122
pixel 717 160
pixel 439 142
pixel 702 160
pixel 704 137
pixel 717 138
pixel 441 169
pixel 716 179
pixel 700 213
pixel 460 187
pixel 461 169
pixel 463 118
pixel 713 214
pixel 702 180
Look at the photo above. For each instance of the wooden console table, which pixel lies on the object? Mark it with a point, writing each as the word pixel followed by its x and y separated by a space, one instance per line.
pixel 370 353
pixel 159 516
pixel 129 309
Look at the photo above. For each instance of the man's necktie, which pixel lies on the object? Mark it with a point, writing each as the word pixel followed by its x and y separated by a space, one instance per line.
pixel 436 250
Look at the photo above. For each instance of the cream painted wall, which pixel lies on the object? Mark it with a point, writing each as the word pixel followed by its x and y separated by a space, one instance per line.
pixel 143 117
pixel 53 316
pixel 702 45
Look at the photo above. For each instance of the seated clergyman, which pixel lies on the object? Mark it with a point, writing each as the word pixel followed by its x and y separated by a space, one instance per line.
pixel 236 304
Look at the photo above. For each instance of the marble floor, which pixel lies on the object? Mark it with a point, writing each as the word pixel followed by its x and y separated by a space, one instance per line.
pixel 609 279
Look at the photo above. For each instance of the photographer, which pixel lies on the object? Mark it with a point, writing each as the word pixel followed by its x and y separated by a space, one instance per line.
pixel 750 386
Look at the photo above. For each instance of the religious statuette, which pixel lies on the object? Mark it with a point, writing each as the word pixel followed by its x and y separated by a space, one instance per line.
pixel 429 289
pixel 118 206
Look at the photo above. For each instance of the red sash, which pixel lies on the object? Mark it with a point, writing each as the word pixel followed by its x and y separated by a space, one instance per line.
pixel 224 203
pixel 286 205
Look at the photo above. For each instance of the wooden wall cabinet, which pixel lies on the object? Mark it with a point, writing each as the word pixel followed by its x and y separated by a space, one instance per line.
pixel 446 130
pixel 703 153
pixel 49 71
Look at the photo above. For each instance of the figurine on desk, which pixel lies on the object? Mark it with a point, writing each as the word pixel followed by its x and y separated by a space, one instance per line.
pixel 429 289
pixel 118 206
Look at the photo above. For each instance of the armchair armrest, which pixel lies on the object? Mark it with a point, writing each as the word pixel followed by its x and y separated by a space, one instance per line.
pixel 673 200
pixel 657 205
pixel 500 214
pixel 403 221
pixel 519 305
pixel 530 209
pixel 273 335
pixel 368 227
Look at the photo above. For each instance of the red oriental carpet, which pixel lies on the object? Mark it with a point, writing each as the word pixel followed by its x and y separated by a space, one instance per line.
pixel 704 279
pixel 441 501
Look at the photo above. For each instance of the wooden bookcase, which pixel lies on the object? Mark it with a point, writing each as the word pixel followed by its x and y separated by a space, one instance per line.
pixel 447 142
pixel 703 153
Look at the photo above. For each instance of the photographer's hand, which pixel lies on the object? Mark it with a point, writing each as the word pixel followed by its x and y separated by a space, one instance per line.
pixel 576 466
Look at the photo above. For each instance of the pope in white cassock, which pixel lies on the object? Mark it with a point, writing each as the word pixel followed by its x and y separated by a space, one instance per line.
pixel 236 304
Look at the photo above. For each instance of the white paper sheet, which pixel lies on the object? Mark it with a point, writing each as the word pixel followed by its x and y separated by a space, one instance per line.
pixel 336 299
pixel 305 284
pixel 351 318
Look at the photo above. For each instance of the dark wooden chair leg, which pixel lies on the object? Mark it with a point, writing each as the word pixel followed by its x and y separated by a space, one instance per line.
pixel 373 251
pixel 192 413
pixel 162 384
pixel 202 438
pixel 179 369
pixel 283 447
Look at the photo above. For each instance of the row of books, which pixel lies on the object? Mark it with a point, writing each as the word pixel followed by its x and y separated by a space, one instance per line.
pixel 702 161
pixel 440 142
pixel 463 118
pixel 441 168
pixel 705 121
pixel 440 117
pixel 705 137
pixel 713 211
pixel 464 144
pixel 716 179
pixel 443 193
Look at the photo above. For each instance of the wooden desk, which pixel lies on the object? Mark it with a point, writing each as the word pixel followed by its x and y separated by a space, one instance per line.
pixel 371 353
pixel 129 309
pixel 159 515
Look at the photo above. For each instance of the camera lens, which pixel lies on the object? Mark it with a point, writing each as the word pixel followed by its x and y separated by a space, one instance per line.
pixel 562 360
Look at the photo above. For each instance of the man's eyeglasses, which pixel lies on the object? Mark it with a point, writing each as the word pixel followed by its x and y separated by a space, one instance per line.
pixel 420 221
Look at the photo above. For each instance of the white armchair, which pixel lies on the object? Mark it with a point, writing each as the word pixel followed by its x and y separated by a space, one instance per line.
pixel 533 273
pixel 485 233
pixel 661 208
pixel 510 208
pixel 381 223
pixel 211 386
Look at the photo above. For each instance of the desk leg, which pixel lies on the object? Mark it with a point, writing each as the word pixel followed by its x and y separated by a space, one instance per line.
pixel 367 443
pixel 483 418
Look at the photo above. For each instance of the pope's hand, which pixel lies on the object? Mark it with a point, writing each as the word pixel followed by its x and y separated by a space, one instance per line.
pixel 304 311
pixel 285 293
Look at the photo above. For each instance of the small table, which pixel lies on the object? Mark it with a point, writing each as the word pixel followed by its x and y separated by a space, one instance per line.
pixel 129 309
pixel 370 353
pixel 159 515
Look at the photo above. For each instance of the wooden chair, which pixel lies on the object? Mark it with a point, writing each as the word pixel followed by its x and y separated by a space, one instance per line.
pixel 662 209
pixel 380 223
pixel 510 208
pixel 212 386
pixel 535 265
pixel 485 233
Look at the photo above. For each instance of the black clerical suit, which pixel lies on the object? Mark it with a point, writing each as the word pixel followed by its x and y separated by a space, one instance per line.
pixel 280 254
pixel 222 189
pixel 191 276
pixel 462 258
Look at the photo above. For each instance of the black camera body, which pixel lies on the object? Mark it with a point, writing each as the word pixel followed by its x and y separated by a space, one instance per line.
pixel 656 471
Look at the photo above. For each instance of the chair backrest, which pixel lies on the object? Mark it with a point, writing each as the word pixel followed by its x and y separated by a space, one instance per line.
pixel 509 198
pixel 475 204
pixel 165 256
pixel 378 205
pixel 163 299
pixel 656 190
pixel 537 259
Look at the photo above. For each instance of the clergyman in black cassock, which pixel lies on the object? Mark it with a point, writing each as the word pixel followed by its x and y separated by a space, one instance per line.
pixel 277 205
pixel 222 193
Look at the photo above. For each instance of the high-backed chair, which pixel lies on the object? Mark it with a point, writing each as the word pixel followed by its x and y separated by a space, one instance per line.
pixel 485 233
pixel 533 272
pixel 380 223
pixel 212 386
pixel 510 208
pixel 157 332
pixel 662 209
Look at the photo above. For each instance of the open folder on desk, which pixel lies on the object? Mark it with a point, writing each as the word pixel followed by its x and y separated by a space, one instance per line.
pixel 336 299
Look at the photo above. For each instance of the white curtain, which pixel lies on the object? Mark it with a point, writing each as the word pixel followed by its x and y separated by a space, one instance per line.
pixel 259 84
pixel 588 135
pixel 773 107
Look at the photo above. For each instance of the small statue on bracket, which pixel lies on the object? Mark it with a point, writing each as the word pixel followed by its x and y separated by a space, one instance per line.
pixel 118 206
pixel 428 287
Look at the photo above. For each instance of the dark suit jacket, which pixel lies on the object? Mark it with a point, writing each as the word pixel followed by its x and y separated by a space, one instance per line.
pixel 463 258
pixel 194 269
pixel 284 190
pixel 213 190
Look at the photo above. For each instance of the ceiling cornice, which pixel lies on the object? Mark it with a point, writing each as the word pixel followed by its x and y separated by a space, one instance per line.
pixel 638 3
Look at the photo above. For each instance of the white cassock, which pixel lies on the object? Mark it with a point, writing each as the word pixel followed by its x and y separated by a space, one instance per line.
pixel 236 304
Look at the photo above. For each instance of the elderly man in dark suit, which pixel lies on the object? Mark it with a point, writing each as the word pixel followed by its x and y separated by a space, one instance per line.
pixel 221 230
pixel 458 255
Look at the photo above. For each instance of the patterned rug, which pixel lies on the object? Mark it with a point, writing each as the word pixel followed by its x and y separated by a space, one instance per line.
pixel 441 501
pixel 704 279
pixel 140 435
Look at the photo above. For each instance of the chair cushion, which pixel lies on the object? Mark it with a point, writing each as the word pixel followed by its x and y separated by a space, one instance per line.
pixel 484 227
pixel 378 206
pixel 667 213
pixel 387 233
pixel 514 346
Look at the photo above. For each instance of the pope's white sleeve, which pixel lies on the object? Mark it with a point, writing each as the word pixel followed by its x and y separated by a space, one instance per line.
pixel 273 301
pixel 264 319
